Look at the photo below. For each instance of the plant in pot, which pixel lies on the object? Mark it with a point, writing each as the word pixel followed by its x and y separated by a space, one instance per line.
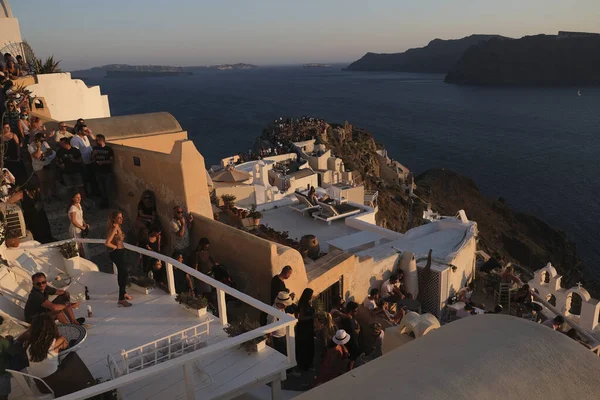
pixel 255 215
pixel 193 304
pixel 142 284
pixel 13 237
pixel 228 201
pixel 242 325
pixel 70 251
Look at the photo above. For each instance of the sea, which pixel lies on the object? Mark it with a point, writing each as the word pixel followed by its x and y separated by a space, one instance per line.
pixel 538 148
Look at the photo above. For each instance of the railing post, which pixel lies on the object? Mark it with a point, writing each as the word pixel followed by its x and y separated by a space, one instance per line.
pixel 222 305
pixel 188 379
pixel 170 279
pixel 291 344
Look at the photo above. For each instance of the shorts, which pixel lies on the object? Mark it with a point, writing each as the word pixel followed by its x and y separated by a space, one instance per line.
pixel 72 180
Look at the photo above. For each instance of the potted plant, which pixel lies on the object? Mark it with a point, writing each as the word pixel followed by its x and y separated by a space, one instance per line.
pixel 193 304
pixel 228 200
pixel 13 237
pixel 242 325
pixel 142 284
pixel 70 251
pixel 254 215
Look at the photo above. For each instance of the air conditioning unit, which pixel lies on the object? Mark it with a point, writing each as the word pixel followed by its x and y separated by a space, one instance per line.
pixel 434 290
pixel 13 215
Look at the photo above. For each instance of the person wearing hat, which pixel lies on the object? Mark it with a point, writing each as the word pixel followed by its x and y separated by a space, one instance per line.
pixel 336 360
pixel 282 301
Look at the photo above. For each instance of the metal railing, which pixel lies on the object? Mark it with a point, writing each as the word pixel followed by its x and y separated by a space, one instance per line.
pixel 186 361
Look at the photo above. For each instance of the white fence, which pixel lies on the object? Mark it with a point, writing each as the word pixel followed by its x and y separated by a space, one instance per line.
pixel 186 361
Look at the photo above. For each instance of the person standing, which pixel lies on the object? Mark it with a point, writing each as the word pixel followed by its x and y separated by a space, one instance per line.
pixel 180 231
pixel 62 132
pixel 278 283
pixel 78 228
pixel 305 331
pixel 82 142
pixel 104 158
pixel 41 161
pixel 69 162
pixel 12 161
pixel 114 242
pixel 351 325
pixel 35 216
pixel 282 301
pixel 334 363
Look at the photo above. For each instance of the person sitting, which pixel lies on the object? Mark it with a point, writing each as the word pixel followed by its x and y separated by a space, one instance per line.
pixel 338 311
pixel 23 66
pixel 312 196
pixel 376 349
pixel 42 343
pixel 390 290
pixel 464 295
pixel 555 323
pixel 282 301
pixel 497 310
pixel 60 308
pixel 403 290
pixel 466 311
pixel 509 276
pixel 158 273
pixel 12 70
pixel 370 302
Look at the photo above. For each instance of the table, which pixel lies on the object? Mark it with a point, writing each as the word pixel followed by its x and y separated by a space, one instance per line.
pixel 72 332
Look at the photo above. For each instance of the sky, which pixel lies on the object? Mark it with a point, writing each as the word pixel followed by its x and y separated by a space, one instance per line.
pixel 86 33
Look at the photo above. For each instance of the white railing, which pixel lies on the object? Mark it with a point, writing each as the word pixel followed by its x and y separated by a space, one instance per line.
pixel 592 341
pixel 160 350
pixel 284 321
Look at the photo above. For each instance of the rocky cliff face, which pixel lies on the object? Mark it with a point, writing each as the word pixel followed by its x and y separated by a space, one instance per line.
pixel 437 57
pixel 531 60
pixel 520 238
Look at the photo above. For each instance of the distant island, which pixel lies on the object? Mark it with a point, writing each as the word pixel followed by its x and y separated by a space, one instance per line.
pixel 569 59
pixel 439 56
pixel 142 71
pixel 316 65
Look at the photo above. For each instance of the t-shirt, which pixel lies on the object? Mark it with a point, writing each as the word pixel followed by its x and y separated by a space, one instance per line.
pixel 387 288
pixel 84 146
pixel 103 154
pixel 369 304
pixel 66 157
pixel 39 164
pixel 277 285
pixel 179 242
pixel 35 300
pixel 60 134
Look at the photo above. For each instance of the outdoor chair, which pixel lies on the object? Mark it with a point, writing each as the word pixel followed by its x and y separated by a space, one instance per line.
pixel 28 385
pixel 330 212
pixel 304 205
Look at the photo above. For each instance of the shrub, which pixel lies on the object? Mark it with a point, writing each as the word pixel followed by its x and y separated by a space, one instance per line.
pixel 69 249
pixel 242 325
pixel 190 301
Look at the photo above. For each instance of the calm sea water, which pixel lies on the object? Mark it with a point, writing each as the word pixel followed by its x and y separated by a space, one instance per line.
pixel 537 148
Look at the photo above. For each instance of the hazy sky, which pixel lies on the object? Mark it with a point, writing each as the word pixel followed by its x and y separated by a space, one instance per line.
pixel 86 33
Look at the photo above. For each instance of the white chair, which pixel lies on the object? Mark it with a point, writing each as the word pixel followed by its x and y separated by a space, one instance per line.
pixel 27 384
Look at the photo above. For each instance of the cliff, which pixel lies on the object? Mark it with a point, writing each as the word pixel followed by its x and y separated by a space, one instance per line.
pixel 437 57
pixel 519 237
pixel 541 60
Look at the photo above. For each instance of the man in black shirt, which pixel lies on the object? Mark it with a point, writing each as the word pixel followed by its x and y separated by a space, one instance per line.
pixel 70 163
pixel 37 302
pixel 278 283
pixel 351 326
pixel 103 158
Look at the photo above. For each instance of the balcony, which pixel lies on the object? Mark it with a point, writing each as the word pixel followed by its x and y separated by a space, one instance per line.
pixel 157 349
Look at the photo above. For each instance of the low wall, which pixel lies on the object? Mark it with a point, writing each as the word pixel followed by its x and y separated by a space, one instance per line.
pixel 174 178
pixel 69 99
pixel 251 261
pixel 162 143
pixel 245 195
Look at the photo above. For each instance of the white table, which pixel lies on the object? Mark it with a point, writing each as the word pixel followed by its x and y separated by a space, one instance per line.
pixel 354 240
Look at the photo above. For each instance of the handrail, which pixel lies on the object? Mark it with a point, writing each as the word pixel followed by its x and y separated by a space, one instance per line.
pixel 283 321
pixel 594 343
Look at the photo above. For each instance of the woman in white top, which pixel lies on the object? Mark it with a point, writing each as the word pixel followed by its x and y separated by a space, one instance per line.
pixel 24 122
pixel 43 342
pixel 77 224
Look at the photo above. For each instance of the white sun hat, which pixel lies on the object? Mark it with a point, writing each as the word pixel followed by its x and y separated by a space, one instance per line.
pixel 341 337
pixel 284 298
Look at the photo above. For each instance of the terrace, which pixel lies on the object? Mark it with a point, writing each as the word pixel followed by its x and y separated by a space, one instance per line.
pixel 157 347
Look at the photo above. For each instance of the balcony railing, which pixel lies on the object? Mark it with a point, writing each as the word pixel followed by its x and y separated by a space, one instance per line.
pixel 186 361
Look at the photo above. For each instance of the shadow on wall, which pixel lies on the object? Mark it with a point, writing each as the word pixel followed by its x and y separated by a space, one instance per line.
pixel 251 261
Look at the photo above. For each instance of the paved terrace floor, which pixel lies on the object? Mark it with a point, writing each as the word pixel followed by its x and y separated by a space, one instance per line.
pixel 298 225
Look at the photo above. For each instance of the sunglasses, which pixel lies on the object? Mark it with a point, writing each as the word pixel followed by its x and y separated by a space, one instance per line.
pixel 39 284
pixel 62 126
pixel 179 212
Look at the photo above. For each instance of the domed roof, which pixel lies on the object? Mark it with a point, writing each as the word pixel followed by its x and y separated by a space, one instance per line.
pixel 479 357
